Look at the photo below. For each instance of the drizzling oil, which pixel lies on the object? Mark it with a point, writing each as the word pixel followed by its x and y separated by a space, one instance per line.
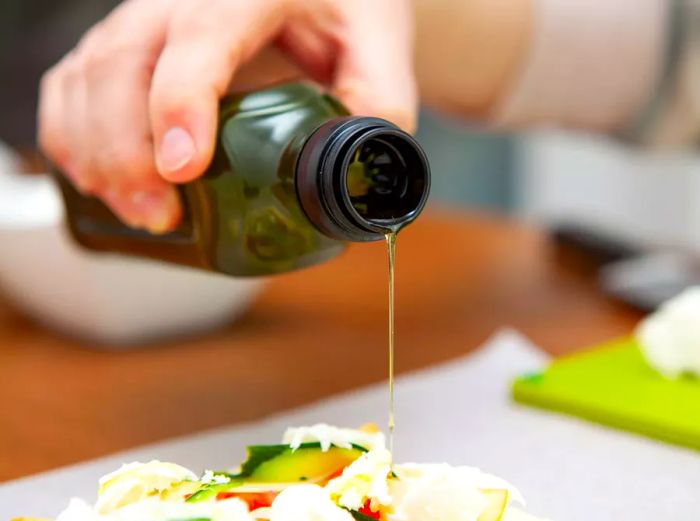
pixel 391 250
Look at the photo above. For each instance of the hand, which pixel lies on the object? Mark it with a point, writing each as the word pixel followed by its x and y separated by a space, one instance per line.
pixel 134 107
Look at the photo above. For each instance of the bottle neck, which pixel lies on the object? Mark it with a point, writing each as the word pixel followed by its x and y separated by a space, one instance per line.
pixel 359 178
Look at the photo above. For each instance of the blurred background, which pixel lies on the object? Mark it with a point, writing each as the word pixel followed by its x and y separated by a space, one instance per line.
pixel 548 177
pixel 607 200
pixel 631 217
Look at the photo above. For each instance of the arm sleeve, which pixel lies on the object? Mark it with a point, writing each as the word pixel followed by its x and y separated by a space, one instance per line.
pixel 671 118
pixel 593 64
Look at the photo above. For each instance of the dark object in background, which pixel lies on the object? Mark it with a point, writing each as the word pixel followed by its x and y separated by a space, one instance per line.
pixel 293 178
pixel 35 34
pixel 632 274
pixel 584 250
pixel 647 281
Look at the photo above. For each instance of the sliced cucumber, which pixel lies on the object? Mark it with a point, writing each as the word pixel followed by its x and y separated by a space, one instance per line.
pixel 275 467
pixel 308 462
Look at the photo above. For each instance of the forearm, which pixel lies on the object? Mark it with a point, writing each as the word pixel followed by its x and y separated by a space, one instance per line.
pixel 468 52
pixel 589 64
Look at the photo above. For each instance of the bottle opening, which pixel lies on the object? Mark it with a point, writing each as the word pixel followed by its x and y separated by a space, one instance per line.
pixel 386 179
pixel 358 178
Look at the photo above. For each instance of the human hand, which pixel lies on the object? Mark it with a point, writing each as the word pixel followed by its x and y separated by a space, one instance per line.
pixel 134 107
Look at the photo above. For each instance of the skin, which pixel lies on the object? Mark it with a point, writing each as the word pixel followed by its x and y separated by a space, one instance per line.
pixel 468 53
pixel 133 108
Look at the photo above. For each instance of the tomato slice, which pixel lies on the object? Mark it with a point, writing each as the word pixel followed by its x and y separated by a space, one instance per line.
pixel 254 500
pixel 264 499
pixel 335 474
pixel 366 510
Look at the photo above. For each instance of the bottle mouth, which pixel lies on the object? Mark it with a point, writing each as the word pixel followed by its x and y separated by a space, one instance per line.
pixel 359 178
pixel 385 179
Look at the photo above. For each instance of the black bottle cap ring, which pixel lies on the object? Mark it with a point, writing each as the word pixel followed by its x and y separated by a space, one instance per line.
pixel 395 178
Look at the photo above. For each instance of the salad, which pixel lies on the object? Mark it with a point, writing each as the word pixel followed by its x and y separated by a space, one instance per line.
pixel 317 473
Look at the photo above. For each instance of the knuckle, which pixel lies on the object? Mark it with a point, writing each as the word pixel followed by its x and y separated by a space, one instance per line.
pixel 48 120
pixel 48 144
pixel 89 185
pixel 129 166
pixel 91 38
pixel 70 68
pixel 50 79
pixel 190 20
pixel 208 22
pixel 89 47
pixel 166 104
pixel 108 45
pixel 50 141
pixel 134 166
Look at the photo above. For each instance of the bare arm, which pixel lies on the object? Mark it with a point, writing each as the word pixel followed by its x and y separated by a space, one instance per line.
pixel 467 53
pixel 590 64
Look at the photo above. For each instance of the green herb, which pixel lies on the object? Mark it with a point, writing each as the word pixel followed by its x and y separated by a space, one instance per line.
pixel 208 491
pixel 257 455
pixel 359 516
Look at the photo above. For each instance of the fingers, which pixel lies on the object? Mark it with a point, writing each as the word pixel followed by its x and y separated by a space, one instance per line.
pixel 81 167
pixel 158 210
pixel 50 117
pixel 374 73
pixel 205 46
pixel 63 124
pixel 136 106
pixel 312 48
pixel 119 138
pixel 93 117
pixel 269 67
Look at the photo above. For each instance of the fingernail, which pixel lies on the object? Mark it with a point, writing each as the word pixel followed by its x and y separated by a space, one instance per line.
pixel 176 150
pixel 159 209
pixel 121 207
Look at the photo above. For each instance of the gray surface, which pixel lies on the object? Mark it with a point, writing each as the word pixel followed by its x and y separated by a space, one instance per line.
pixel 469 166
pixel 460 412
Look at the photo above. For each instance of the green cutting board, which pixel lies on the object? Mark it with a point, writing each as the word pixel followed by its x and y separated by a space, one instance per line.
pixel 613 385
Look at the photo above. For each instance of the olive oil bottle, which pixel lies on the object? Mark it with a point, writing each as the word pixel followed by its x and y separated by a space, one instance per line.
pixel 293 178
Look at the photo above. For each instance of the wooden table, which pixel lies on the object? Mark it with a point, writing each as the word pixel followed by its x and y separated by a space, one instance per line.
pixel 321 331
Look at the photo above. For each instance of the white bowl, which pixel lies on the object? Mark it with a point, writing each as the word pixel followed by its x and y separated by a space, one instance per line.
pixel 102 298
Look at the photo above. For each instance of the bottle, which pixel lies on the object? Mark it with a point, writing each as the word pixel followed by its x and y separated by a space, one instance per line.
pixel 293 179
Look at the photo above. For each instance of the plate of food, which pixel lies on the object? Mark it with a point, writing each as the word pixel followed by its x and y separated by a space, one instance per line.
pixel 316 473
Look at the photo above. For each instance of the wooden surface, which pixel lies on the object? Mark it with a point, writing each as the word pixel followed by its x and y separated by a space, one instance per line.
pixel 313 333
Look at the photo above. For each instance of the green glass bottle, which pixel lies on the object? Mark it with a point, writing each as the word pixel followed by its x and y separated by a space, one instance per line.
pixel 293 178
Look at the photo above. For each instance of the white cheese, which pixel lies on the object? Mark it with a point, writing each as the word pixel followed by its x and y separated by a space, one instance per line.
pixel 328 435
pixel 156 491
pixel 136 481
pixel 153 510
pixel 437 492
pixel 213 479
pixel 364 479
pixel 306 503
pixel 670 337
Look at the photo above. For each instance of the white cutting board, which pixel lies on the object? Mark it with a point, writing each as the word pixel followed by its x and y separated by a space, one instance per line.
pixel 460 412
